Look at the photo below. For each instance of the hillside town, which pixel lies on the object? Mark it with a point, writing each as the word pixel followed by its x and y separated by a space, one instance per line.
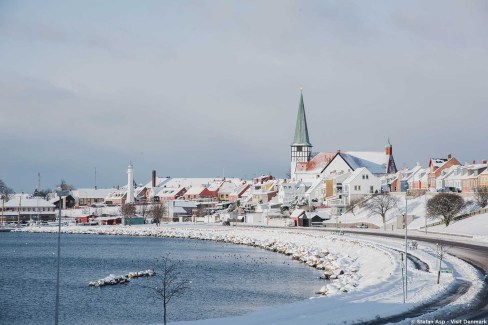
pixel 322 187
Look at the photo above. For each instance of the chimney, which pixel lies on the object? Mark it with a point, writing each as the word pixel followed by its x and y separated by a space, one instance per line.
pixel 449 156
pixel 484 162
pixel 474 162
pixel 153 178
pixel 338 150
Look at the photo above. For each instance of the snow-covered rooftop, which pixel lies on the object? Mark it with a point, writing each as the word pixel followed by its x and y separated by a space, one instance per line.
pixel 91 193
pixel 358 161
pixel 28 202
pixel 195 190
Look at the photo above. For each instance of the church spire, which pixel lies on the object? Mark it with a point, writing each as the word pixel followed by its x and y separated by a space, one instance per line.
pixel 301 129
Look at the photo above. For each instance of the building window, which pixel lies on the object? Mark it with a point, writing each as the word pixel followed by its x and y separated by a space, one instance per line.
pixel 299 148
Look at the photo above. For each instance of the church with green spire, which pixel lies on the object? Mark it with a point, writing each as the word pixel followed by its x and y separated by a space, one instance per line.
pixel 308 167
pixel 301 148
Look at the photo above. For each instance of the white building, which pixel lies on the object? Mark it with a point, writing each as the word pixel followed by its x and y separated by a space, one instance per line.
pixel 181 210
pixel 28 208
pixel 89 196
pixel 289 192
pixel 359 184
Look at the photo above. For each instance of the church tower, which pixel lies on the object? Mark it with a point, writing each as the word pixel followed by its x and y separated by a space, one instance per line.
pixel 301 148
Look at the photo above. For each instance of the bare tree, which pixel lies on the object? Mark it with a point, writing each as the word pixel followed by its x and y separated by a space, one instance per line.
pixel 5 189
pixel 128 210
pixel 446 205
pixel 170 283
pixel 354 204
pixel 481 196
pixel 143 209
pixel 380 204
pixel 157 212
pixel 64 186
pixel 199 212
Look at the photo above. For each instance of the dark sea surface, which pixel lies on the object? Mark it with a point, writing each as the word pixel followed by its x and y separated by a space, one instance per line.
pixel 225 279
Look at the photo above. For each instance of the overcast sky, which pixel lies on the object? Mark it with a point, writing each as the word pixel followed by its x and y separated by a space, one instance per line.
pixel 196 88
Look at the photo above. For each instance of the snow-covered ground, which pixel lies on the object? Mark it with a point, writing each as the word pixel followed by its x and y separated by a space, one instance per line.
pixel 365 276
pixel 476 226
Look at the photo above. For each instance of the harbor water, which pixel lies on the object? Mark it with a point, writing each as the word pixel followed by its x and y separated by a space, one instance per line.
pixel 225 279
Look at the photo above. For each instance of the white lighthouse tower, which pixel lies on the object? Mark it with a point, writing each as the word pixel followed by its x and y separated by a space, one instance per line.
pixel 130 184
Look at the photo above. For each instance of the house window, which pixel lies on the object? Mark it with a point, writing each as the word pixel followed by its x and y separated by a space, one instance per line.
pixel 367 176
pixel 299 148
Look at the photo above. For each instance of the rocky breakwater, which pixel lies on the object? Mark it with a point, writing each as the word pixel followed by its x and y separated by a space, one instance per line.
pixel 120 279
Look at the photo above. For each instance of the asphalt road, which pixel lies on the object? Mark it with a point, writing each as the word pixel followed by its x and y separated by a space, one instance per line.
pixel 477 255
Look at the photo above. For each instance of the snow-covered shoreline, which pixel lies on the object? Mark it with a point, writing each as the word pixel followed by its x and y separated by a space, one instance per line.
pixel 339 258
pixel 369 272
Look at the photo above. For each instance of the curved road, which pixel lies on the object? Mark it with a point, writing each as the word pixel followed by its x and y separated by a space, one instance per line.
pixel 477 255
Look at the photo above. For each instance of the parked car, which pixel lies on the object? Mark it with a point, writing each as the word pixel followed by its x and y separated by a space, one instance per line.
pixel 362 226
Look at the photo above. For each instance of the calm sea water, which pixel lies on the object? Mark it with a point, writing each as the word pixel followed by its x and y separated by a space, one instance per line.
pixel 225 279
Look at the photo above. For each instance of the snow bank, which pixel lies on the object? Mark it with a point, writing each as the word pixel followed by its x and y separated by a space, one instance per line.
pixel 476 226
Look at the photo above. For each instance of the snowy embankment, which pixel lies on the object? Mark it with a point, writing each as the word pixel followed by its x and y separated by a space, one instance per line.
pixel 370 273
pixel 476 226
pixel 473 226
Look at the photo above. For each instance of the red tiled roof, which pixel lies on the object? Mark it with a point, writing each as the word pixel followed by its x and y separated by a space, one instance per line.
pixel 317 163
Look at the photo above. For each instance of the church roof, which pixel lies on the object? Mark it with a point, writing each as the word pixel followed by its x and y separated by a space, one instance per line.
pixel 317 164
pixel 301 129
pixel 366 159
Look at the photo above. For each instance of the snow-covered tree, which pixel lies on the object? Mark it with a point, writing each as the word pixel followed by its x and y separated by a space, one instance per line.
pixel 481 196
pixel 446 205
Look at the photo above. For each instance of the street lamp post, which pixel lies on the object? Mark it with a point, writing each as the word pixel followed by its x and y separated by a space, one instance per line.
pixel 56 314
pixel 406 242
pixel 425 216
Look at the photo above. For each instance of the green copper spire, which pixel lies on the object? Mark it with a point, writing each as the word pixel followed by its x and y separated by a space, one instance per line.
pixel 301 130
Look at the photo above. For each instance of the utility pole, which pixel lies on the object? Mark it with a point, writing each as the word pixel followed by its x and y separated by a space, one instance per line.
pixel 406 244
